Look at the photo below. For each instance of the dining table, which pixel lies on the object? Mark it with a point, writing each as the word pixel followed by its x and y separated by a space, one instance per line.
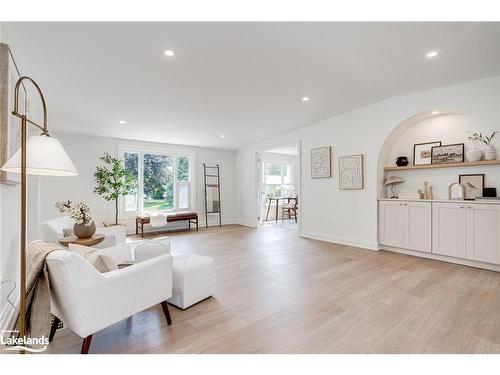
pixel 277 200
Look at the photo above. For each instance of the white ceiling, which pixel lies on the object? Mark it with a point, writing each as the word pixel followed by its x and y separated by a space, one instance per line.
pixel 244 80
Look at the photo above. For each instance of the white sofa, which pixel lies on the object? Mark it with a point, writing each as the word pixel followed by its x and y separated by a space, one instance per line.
pixel 87 301
pixel 52 231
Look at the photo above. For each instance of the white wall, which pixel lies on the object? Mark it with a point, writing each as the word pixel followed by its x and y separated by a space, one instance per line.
pixel 85 151
pixel 351 216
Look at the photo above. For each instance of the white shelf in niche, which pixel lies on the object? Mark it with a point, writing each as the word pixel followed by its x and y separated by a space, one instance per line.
pixel 445 165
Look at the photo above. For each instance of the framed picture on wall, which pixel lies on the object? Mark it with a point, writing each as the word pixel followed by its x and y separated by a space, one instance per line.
pixel 448 154
pixel 321 162
pixel 473 184
pixel 422 152
pixel 351 172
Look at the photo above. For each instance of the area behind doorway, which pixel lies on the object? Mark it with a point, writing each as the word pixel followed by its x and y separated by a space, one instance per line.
pixel 279 182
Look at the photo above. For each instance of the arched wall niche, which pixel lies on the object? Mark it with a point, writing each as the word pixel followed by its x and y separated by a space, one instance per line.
pixel 445 125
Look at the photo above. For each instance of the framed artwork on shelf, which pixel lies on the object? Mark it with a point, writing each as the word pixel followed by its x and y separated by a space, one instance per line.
pixel 448 154
pixel 473 184
pixel 321 162
pixel 422 152
pixel 351 172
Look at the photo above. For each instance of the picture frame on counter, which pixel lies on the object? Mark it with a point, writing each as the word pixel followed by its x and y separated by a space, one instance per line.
pixel 444 154
pixel 473 184
pixel 422 152
pixel 456 192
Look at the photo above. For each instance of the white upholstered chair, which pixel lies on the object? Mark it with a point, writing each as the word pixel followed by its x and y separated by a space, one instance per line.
pixel 52 231
pixel 87 301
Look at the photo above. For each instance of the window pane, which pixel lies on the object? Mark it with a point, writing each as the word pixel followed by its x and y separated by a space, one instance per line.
pixel 287 174
pixel 158 182
pixel 183 195
pixel 132 165
pixel 182 168
pixel 273 169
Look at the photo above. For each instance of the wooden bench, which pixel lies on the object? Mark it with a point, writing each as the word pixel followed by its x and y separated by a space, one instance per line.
pixel 190 217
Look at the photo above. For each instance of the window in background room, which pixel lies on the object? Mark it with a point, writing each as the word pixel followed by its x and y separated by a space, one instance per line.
pixel 278 180
pixel 163 181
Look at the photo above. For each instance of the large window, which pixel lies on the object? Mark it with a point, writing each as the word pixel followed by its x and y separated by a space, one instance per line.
pixel 278 180
pixel 163 181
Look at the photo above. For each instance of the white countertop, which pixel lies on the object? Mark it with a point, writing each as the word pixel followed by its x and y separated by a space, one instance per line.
pixel 440 201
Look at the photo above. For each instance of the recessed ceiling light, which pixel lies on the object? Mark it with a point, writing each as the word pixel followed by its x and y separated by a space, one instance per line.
pixel 305 98
pixel 435 113
pixel 223 136
pixel 431 54
pixel 123 122
pixel 169 52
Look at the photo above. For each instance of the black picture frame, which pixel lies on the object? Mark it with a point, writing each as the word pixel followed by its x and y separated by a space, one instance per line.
pixel 480 189
pixel 435 149
pixel 423 144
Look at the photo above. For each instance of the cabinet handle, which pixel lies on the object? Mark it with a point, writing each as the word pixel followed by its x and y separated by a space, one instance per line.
pixel 461 206
pixel 469 207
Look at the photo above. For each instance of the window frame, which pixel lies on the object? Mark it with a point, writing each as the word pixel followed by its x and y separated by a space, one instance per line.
pixel 282 183
pixel 173 152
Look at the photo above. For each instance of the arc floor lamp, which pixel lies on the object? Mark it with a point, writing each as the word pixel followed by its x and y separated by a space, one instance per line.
pixel 40 155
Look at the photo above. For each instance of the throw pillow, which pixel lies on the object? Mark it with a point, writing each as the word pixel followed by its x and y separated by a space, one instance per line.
pixel 92 256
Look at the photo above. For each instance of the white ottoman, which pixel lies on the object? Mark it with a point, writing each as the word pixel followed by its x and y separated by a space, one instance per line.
pixel 193 279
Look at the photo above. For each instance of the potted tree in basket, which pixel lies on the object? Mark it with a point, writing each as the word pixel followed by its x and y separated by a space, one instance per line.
pixel 113 181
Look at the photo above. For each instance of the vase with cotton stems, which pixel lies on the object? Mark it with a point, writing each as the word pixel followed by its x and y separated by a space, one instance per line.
pixel 84 224
pixel 490 152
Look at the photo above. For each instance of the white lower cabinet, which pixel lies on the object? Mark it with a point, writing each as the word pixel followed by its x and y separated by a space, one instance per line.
pixel 405 224
pixel 456 229
pixel 448 229
pixel 482 232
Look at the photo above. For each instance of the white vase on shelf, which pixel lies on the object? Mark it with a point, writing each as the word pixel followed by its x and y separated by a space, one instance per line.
pixel 474 155
pixel 490 153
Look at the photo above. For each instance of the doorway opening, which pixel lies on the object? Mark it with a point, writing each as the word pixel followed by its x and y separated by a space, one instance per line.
pixel 279 186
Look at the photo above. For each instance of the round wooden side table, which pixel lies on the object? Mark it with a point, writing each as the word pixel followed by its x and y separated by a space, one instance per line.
pixel 90 241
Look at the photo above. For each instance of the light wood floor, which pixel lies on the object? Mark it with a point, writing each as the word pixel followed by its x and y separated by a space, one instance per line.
pixel 277 293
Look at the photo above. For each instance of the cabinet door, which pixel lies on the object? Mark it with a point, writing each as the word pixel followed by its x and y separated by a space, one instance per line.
pixel 448 227
pixel 418 229
pixel 391 223
pixel 483 232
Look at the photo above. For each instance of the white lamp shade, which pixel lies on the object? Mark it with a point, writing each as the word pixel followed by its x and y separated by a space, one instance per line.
pixel 45 157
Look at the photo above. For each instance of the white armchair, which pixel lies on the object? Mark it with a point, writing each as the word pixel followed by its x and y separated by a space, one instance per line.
pixel 87 301
pixel 52 231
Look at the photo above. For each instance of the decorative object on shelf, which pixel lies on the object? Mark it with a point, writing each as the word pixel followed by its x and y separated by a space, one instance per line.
pixel 474 184
pixel 448 154
pixel 114 181
pixel 456 191
pixel 474 154
pixel 351 172
pixel 321 162
pixel 420 194
pixel 422 152
pixel 489 192
pixel 402 161
pixel 392 181
pixel 427 190
pixel 490 153
pixel 84 224
pixel 46 157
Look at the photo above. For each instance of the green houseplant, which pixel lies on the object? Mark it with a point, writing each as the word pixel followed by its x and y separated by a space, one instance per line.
pixel 113 180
